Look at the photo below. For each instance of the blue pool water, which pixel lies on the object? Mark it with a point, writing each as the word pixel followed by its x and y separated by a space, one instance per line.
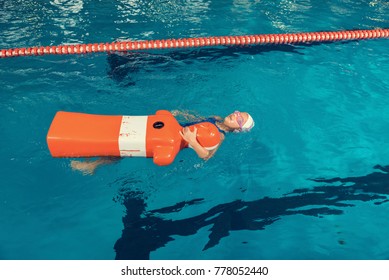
pixel 311 181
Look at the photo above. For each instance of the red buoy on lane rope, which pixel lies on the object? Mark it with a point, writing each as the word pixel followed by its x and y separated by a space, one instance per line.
pixel 268 39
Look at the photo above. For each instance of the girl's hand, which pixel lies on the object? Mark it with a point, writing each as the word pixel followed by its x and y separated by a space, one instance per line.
pixel 188 135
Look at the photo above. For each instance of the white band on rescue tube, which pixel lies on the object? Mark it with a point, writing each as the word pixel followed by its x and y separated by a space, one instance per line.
pixel 132 136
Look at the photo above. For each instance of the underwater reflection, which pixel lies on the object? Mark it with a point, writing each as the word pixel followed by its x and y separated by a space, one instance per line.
pixel 123 67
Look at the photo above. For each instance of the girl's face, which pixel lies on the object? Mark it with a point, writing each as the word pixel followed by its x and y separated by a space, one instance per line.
pixel 235 120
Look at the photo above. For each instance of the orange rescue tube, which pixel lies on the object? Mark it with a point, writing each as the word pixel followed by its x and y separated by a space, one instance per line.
pixel 156 136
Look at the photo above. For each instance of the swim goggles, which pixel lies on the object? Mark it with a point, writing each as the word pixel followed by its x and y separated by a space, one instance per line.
pixel 239 119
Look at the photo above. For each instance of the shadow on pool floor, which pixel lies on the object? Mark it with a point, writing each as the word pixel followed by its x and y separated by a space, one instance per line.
pixel 145 232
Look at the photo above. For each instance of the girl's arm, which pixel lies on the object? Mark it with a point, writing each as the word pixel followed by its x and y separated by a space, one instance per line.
pixel 190 137
pixel 212 152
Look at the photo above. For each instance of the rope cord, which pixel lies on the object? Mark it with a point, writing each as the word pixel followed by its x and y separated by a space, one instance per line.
pixel 266 39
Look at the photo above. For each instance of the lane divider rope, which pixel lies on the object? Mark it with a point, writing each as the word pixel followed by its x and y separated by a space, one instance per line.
pixel 265 39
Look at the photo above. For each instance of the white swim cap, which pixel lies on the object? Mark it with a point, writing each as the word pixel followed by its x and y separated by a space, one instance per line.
pixel 249 124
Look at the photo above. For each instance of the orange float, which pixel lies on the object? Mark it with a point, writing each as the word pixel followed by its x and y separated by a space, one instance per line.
pixel 156 136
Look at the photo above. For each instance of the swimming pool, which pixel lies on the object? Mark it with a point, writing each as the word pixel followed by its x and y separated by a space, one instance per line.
pixel 309 182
